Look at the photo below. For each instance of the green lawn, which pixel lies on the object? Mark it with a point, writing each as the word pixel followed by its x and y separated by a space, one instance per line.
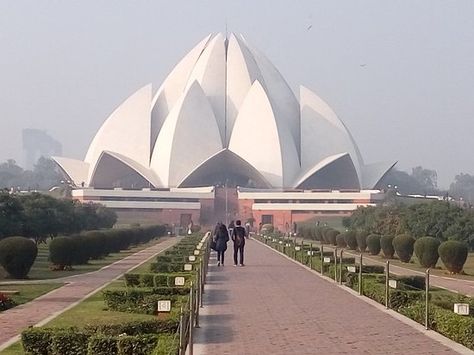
pixel 28 292
pixel 41 268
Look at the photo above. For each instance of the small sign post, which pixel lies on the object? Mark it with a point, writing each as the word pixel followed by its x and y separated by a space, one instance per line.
pixel 164 306
pixel 179 281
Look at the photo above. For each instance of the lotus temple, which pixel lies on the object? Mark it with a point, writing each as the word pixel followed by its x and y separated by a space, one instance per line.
pixel 224 136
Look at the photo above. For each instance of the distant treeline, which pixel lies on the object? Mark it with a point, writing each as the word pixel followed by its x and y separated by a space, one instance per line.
pixel 40 216
pixel 44 176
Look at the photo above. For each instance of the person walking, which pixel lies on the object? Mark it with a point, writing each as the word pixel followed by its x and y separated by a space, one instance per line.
pixel 238 237
pixel 221 239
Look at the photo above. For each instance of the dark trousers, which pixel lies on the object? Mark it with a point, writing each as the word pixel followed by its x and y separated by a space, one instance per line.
pixel 237 250
pixel 220 256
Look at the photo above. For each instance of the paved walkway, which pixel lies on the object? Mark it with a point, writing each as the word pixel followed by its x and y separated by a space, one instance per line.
pixel 46 307
pixel 274 306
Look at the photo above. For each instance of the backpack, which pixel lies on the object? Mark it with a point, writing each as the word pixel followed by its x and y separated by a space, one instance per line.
pixel 239 236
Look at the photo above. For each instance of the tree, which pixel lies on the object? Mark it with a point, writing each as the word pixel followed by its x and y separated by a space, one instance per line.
pixel 420 182
pixel 11 215
pixel 41 217
pixel 428 179
pixel 463 187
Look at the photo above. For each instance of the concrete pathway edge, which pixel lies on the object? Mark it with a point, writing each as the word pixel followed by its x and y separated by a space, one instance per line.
pixel 461 349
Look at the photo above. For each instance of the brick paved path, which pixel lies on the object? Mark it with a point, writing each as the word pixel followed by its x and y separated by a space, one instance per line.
pixel 273 306
pixel 44 308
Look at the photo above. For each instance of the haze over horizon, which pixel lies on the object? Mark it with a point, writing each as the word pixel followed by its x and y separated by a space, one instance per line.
pixel 400 75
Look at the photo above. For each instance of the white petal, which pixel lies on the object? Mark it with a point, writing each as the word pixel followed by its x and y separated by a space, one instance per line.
pixel 276 157
pixel 126 131
pixel 189 136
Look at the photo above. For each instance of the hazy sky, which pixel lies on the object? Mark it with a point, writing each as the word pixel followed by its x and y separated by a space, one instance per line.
pixel 400 74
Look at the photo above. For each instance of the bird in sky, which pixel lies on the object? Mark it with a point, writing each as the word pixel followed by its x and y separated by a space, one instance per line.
pixel 309 27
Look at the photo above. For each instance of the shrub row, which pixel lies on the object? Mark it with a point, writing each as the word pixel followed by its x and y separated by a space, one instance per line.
pixel 156 279
pixel 79 249
pixel 454 326
pixel 51 341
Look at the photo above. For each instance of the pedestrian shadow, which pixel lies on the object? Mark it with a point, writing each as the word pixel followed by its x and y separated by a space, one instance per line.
pixel 216 297
pixel 216 278
pixel 216 330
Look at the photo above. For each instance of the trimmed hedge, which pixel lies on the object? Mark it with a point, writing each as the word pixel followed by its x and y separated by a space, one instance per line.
pixel 69 342
pixel 156 279
pixel 403 245
pixel 386 244
pixel 361 238
pixel 426 251
pixel 80 248
pixel 138 300
pixel 398 298
pixel 136 345
pixel 332 236
pixel 36 341
pixel 446 322
pixel 351 240
pixel 134 328
pixel 141 337
pixel 340 241
pixel 61 252
pixel 17 255
pixel 373 243
pixel 102 345
pixel 453 254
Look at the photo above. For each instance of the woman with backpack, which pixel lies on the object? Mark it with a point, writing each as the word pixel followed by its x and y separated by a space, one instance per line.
pixel 221 239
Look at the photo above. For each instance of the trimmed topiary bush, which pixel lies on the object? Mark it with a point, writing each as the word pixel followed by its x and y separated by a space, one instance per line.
pixel 61 252
pixel 332 235
pixel 361 237
pixel 350 239
pixel 453 254
pixel 373 243
pixel 386 244
pixel 403 245
pixel 340 240
pixel 17 255
pixel 426 251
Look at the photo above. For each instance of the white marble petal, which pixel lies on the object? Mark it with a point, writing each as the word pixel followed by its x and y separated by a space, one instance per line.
pixel 242 71
pixel 76 170
pixel 113 166
pixel 188 137
pixel 334 172
pixel 276 157
pixel 283 100
pixel 172 88
pixel 126 131
pixel 373 173
pixel 322 133
pixel 209 72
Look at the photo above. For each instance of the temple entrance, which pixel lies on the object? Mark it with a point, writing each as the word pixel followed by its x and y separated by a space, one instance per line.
pixel 226 204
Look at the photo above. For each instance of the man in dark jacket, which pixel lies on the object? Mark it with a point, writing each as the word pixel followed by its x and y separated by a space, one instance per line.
pixel 238 237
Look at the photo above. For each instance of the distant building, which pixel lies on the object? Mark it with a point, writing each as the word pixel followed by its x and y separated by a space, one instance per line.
pixel 36 144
